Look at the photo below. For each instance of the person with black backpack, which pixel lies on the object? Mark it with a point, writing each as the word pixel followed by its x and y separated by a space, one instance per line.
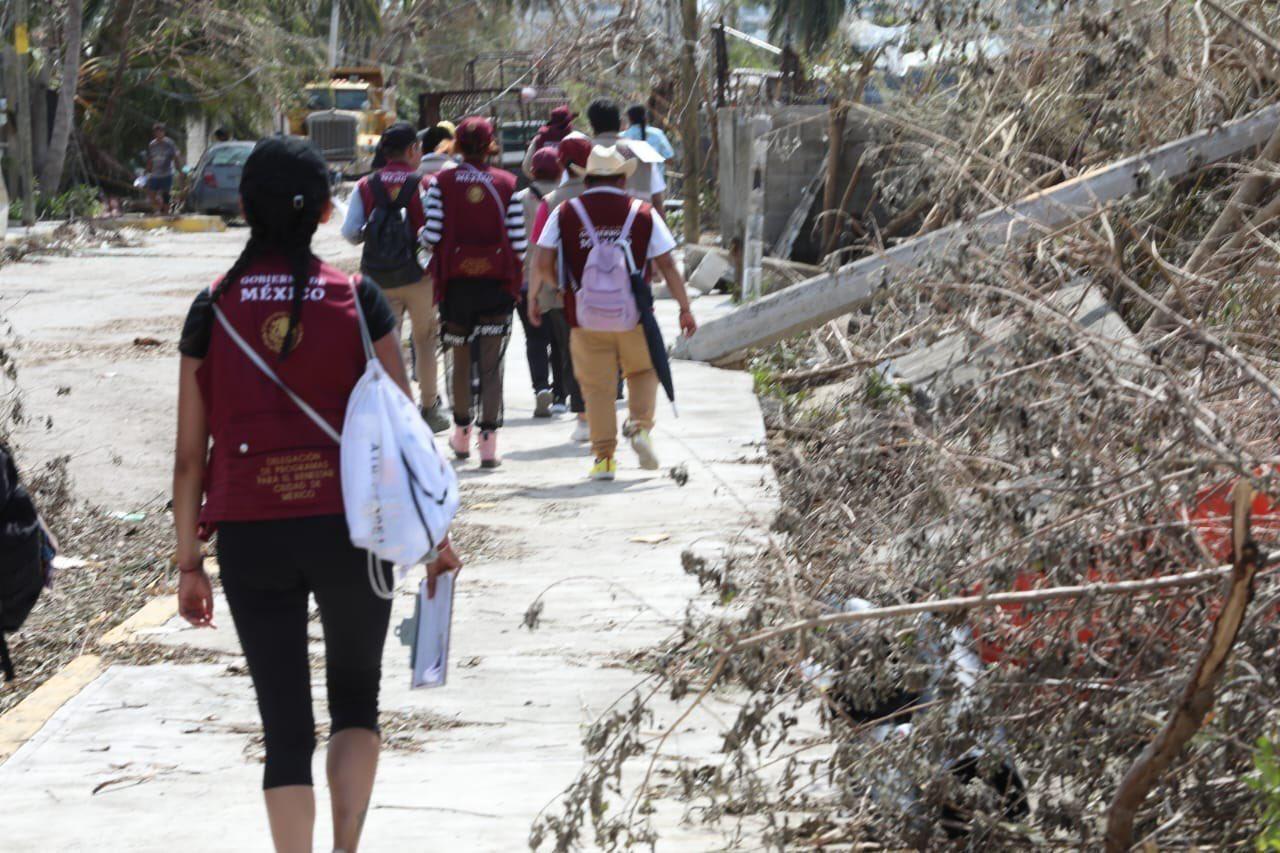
pixel 386 213
pixel 26 555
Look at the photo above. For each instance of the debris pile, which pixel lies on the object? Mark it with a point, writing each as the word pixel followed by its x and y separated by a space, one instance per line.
pixel 1067 409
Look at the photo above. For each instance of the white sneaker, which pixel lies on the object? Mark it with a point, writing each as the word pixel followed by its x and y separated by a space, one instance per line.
pixel 581 433
pixel 559 408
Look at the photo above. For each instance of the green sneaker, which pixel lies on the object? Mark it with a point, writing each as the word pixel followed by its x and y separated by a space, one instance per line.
pixel 604 469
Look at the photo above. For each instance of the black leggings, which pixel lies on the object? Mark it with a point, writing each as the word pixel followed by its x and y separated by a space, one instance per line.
pixel 269 569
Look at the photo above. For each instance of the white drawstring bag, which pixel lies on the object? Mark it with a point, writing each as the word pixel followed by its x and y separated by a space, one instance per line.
pixel 399 493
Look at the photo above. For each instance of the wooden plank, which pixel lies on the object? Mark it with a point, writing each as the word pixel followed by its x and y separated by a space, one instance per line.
pixel 825 297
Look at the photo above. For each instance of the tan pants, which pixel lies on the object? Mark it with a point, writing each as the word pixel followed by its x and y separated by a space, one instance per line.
pixel 597 356
pixel 419 300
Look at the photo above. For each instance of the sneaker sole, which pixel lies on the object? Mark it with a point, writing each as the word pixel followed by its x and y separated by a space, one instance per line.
pixel 602 478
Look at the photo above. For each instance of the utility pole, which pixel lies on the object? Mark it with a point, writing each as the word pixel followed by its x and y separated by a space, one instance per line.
pixel 26 169
pixel 335 12
pixel 689 121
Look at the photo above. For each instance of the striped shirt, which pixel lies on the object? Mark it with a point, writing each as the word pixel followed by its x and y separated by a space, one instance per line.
pixel 433 231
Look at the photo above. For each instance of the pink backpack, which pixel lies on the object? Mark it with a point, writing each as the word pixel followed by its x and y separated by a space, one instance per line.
pixel 605 301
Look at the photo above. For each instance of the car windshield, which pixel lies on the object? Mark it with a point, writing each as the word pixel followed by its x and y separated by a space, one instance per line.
pixel 230 155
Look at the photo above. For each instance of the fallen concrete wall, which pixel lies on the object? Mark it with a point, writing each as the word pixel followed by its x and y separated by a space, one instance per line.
pixel 813 302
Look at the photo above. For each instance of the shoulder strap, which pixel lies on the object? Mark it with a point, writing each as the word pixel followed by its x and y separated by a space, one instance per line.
pixel 587 224
pixel 625 235
pixel 407 189
pixel 259 363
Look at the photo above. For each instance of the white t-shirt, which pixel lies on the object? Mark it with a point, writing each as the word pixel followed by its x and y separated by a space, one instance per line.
pixel 660 241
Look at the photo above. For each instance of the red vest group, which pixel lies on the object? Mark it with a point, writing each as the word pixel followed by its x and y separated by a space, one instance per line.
pixel 269 460
pixel 608 213
pixel 474 243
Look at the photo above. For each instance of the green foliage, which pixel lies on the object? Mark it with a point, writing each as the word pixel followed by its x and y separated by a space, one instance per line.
pixel 878 391
pixel 1266 783
pixel 79 202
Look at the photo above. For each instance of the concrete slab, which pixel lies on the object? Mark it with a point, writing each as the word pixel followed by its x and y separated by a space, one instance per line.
pixel 160 756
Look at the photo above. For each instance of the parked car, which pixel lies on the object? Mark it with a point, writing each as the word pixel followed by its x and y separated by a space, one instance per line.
pixel 215 186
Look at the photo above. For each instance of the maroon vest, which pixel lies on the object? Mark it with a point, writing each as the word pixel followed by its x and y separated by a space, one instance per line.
pixel 393 177
pixel 269 460
pixel 608 213
pixel 475 229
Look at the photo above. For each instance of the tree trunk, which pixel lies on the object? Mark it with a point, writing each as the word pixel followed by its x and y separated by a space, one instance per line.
pixel 1198 694
pixel 64 116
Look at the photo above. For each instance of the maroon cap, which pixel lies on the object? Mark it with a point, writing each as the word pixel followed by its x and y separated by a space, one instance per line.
pixel 545 164
pixel 562 115
pixel 474 135
pixel 574 150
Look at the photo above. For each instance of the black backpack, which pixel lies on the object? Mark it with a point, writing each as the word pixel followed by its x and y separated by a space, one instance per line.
pixel 25 553
pixel 390 249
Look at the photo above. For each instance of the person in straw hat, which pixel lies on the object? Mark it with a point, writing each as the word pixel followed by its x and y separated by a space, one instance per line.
pixel 574 233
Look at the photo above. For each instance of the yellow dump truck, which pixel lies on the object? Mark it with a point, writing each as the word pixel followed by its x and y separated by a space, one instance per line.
pixel 345 115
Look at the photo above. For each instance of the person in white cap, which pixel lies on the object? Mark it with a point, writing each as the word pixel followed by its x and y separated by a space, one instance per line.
pixel 605 337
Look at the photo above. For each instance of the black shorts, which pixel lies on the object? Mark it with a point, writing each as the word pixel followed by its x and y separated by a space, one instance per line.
pixel 472 308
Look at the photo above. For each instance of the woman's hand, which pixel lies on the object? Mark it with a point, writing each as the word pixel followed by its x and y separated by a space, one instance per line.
pixel 195 598
pixel 688 325
pixel 446 560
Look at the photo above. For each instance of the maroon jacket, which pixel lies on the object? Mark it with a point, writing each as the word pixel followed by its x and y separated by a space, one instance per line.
pixel 393 177
pixel 608 213
pixel 473 220
pixel 269 460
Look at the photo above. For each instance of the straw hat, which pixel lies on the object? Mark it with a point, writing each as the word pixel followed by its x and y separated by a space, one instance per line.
pixel 606 163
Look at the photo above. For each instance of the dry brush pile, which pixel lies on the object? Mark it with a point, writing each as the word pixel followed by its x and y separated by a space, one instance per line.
pixel 1053 413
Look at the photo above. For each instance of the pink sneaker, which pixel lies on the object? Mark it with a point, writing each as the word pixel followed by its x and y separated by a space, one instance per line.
pixel 489 449
pixel 460 441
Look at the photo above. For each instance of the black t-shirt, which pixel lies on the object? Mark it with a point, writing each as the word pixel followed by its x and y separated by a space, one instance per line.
pixel 200 319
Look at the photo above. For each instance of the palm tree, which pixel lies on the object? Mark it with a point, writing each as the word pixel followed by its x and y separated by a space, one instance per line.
pixel 811 23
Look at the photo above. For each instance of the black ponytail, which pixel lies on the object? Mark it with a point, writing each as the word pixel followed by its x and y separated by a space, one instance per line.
pixel 638 115
pixel 283 189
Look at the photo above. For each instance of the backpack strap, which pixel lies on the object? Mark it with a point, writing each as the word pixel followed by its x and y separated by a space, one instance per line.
pixel 407 189
pixel 587 224
pixel 259 363
pixel 625 235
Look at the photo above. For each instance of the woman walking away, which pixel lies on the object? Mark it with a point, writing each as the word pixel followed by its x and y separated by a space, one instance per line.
pixel 475 228
pixel 638 128
pixel 270 487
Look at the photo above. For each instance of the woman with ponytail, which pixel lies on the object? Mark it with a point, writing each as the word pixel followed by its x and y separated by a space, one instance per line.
pixel 638 127
pixel 250 465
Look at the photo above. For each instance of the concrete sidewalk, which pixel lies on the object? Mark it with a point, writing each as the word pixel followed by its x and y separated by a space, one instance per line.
pixel 166 756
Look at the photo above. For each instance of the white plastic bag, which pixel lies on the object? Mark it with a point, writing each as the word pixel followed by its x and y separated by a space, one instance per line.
pixel 399 492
